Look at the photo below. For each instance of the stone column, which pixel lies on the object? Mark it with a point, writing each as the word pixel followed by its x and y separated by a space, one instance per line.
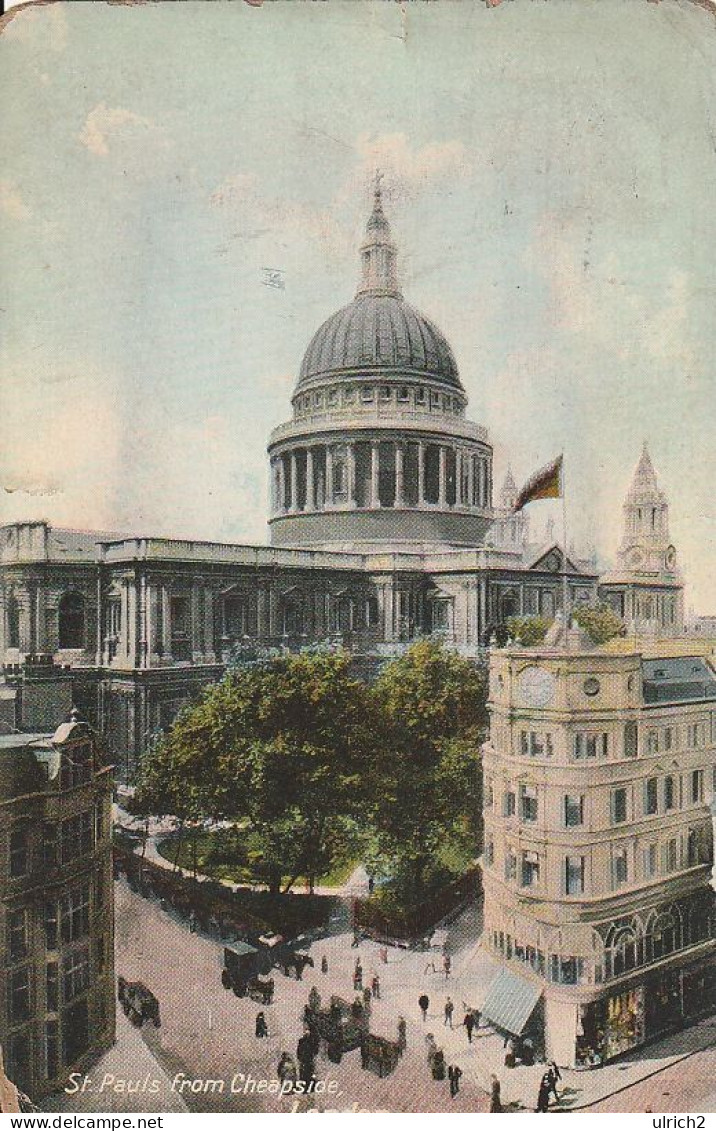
pixel 41 643
pixel 281 487
pixel 483 483
pixel 482 625
pixel 470 480
pixel 196 630
pixel 351 473
pixel 294 483
pixel 209 650
pixel 329 475
pixel 388 611
pixel 488 483
pixel 442 477
pixel 152 624
pixel 421 473
pixel 166 624
pixel 310 488
pixel 99 652
pixel 399 475
pixel 263 627
pixel 143 618
pixel 374 470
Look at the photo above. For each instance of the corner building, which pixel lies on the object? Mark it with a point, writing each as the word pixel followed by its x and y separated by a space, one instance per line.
pixel 56 905
pixel 598 775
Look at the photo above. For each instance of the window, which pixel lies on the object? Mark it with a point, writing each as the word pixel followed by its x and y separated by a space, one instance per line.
pixel 75 973
pixel 631 740
pixel 403 394
pixel 74 914
pixel 18 995
pixel 385 393
pixel 651 800
pixel 671 855
pixel 49 844
pixel 591 745
pixel 19 850
pixel 76 766
pixel 693 847
pixel 669 793
pixel 52 1049
pixel 533 744
pixel 366 395
pixel 51 924
pixel 51 987
pixel 490 853
pixel 528 803
pixel 76 836
pixel 650 861
pixel 652 742
pixel 17 934
pixel 619 806
pixel 697 786
pixel 693 734
pixel 13 622
pixel 620 867
pixel 573 810
pixel 71 621
pixel 530 869
pixel 510 865
pixel 509 804
pixel 574 875
pixel 668 738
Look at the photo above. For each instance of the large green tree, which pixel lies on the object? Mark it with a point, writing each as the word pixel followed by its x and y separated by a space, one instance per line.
pixel 280 748
pixel 427 797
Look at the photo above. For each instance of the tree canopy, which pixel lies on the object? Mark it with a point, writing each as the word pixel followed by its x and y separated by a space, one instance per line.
pixel 599 621
pixel 281 746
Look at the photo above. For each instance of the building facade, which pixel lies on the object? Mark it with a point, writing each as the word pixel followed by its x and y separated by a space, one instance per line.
pixel 382 529
pixel 56 905
pixel 598 778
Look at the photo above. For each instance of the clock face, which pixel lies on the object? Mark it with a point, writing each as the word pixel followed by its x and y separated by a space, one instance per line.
pixel 670 558
pixel 536 687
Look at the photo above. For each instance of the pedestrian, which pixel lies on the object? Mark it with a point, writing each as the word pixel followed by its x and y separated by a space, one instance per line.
pixel 439 1065
pixel 324 965
pixel 261 1026
pixel 384 955
pixel 469 1024
pixel 306 1058
pixel 431 1047
pixel 314 999
pixel 402 1029
pixel 454 1074
pixel 357 1011
pixel 430 967
pixel 356 937
pixel 371 884
pixel 510 1055
pixel 554 1075
pixel 358 976
pixel 495 1097
pixel 449 1007
pixel 367 996
pixel 543 1094
pixel 286 1070
pixel 375 987
pixel 192 921
pixel 423 1003
pixel 446 966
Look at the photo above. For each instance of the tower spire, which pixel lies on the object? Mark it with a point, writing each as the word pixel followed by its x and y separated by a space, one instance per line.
pixel 378 252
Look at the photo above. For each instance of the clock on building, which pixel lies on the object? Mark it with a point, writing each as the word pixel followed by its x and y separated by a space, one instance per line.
pixel 536 687
pixel 670 558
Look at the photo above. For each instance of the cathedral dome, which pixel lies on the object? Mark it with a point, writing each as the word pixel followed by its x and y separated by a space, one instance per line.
pixel 379 332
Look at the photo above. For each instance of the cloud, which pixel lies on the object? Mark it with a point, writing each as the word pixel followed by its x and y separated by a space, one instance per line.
pixel 41 25
pixel 104 122
pixel 12 203
pixel 408 169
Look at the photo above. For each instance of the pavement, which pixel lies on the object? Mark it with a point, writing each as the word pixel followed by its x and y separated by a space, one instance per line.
pixel 207 1034
pixel 128 1078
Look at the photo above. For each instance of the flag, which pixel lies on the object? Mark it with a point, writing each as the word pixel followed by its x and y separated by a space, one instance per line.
pixel 544 484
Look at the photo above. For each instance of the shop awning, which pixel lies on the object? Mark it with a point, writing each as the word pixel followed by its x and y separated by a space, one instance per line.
pixel 510 1002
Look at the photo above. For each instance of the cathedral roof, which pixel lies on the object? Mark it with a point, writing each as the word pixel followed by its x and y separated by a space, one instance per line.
pixel 379 333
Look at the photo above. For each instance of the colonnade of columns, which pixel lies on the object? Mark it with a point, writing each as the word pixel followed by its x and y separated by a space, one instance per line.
pixel 373 474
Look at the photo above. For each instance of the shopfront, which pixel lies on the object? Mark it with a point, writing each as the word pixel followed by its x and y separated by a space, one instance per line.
pixel 610 1027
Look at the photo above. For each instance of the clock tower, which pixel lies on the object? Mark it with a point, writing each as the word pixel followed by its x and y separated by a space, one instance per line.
pixel 646 588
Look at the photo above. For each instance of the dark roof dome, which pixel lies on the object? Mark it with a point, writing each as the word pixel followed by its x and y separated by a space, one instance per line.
pixel 379 330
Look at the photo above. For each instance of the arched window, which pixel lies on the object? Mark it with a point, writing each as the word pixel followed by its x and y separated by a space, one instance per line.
pixel 13 622
pixel 71 621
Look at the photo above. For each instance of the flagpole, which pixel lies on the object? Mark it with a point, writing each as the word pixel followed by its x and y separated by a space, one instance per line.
pixel 565 586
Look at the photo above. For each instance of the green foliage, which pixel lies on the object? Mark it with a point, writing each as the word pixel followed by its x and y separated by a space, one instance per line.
pixel 528 630
pixel 431 708
pixel 600 622
pixel 281 745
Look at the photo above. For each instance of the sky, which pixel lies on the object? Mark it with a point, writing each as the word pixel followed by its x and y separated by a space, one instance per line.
pixel 549 173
